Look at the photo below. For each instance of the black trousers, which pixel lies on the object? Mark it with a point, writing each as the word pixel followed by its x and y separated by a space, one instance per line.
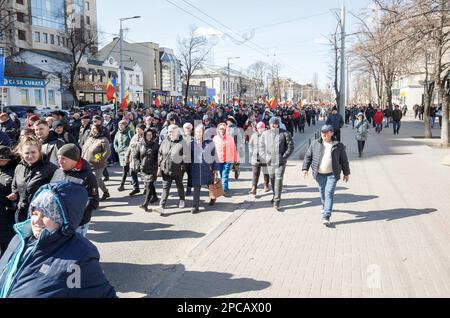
pixel 361 145
pixel 337 135
pixel 189 176
pixel 150 192
pixel 256 169
pixel 167 184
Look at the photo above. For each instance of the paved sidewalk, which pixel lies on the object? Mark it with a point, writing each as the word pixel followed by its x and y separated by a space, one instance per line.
pixel 391 235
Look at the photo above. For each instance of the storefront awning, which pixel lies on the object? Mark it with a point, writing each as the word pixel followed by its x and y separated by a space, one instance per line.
pixel 83 71
pixel 101 73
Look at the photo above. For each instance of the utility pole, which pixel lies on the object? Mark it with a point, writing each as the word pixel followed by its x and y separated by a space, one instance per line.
pixel 342 86
pixel 229 92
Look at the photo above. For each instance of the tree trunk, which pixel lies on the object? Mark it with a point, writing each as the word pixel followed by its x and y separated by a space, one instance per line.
pixel 426 117
pixel 186 93
pixel 445 138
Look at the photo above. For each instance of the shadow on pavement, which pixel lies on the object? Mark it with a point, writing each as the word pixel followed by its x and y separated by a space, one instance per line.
pixel 132 231
pixel 387 215
pixel 106 213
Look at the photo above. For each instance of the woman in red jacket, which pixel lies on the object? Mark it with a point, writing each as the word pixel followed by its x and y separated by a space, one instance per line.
pixel 378 119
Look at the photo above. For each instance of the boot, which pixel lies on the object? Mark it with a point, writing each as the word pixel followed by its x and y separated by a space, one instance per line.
pixel 105 196
pixel 144 207
pixel 121 188
pixel 212 202
pixel 253 191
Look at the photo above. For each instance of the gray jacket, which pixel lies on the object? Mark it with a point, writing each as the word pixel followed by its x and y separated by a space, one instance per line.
pixel 362 130
pixel 254 151
pixel 276 146
pixel 314 157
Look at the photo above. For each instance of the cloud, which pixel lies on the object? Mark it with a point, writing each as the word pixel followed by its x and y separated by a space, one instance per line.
pixel 207 32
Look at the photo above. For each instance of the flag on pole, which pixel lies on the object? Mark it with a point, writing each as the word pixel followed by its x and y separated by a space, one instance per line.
pixel 158 102
pixel 125 101
pixel 111 91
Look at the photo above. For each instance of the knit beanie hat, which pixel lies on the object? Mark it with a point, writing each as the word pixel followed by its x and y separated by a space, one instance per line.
pixel 48 204
pixel 140 126
pixel 70 151
pixel 274 121
pixel 261 125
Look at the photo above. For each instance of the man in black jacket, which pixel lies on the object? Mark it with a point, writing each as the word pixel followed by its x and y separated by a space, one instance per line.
pixel 276 146
pixel 328 159
pixel 397 116
pixel 74 169
pixel 50 142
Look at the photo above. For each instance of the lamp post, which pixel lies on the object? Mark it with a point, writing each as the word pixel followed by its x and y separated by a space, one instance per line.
pixel 122 66
pixel 230 58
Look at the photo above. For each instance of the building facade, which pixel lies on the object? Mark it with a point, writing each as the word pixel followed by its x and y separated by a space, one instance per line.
pixel 146 55
pixel 44 24
pixel 171 84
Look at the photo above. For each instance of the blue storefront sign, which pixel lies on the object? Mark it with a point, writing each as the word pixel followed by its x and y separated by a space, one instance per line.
pixel 23 82
pixel 2 69
pixel 211 92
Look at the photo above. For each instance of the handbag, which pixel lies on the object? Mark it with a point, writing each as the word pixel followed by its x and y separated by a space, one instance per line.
pixel 216 189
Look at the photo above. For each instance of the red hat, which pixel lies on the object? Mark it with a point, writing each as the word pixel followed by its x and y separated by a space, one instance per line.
pixel 34 118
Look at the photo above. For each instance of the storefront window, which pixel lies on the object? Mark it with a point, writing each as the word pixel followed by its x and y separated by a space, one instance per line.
pixel 38 97
pixel 24 97
pixel 51 98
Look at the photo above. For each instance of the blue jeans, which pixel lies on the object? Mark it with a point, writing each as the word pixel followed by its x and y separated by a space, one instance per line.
pixel 327 187
pixel 397 126
pixel 225 169
pixel 432 121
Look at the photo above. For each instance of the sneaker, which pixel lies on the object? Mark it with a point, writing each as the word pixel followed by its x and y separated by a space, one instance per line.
pixel 134 192
pixel 121 189
pixel 159 210
pixel 326 222
pixel 182 204
pixel 105 179
pixel 144 207
pixel 105 196
pixel 195 211
pixel 277 207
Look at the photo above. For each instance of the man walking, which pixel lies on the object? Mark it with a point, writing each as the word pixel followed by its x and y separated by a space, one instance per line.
pixel 276 146
pixel 336 120
pixel 397 116
pixel 328 159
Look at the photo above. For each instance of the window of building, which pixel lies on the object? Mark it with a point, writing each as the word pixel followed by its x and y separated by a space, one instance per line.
pixel 51 97
pixel 138 80
pixel 37 37
pixel 24 97
pixel 38 97
pixel 88 20
pixel 20 2
pixel 22 35
pixel 44 38
pixel 20 17
pixel 88 7
pixel 59 40
pixel 47 13
pixel 52 39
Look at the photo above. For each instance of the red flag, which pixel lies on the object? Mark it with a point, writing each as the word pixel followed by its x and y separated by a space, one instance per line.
pixel 125 101
pixel 110 91
pixel 158 102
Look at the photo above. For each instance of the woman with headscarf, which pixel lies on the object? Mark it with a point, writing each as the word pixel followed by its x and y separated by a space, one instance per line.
pixel 362 128
pixel 226 155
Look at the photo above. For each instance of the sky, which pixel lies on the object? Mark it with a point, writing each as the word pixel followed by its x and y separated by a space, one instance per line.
pixel 288 32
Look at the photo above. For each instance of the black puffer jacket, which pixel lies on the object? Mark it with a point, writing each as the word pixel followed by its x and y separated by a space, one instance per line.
pixel 276 146
pixel 146 157
pixel 84 176
pixel 27 181
pixel 314 157
pixel 172 156
pixel 6 206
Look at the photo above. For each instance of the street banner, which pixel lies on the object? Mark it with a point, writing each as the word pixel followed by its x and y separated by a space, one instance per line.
pixel 2 70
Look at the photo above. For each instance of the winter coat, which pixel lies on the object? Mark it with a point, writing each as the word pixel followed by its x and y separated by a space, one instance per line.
pixel 112 128
pixel 254 151
pixel 50 147
pixel 75 128
pixel 84 135
pixel 121 143
pixel 83 175
pixel 314 156
pixel 132 151
pixel 55 258
pixel 27 181
pixel 239 140
pixel 378 118
pixel 397 115
pixel 172 157
pixel 204 163
pixel 276 146
pixel 289 125
pixel 9 128
pixel 336 121
pixel 226 149
pixel 5 140
pixel 96 151
pixel 146 157
pixel 67 138
pixel 6 206
pixel 361 129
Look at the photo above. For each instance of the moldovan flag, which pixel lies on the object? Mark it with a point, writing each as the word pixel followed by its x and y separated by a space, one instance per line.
pixel 300 104
pixel 110 91
pixel 158 102
pixel 125 101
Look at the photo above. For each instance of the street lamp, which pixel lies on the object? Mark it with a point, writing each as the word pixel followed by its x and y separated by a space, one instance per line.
pixel 230 58
pixel 122 66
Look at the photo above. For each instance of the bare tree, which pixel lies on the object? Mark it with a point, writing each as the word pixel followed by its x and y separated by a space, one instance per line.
pixel 258 72
pixel 335 49
pixel 7 19
pixel 194 50
pixel 276 80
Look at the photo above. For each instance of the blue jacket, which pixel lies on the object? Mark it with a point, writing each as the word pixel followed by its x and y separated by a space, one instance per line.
pixel 336 121
pixel 202 169
pixel 62 264
pixel 5 140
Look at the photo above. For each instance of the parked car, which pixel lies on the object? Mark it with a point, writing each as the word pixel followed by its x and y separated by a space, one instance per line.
pixel 20 111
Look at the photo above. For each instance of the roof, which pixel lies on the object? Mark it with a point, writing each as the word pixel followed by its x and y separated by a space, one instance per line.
pixel 13 69
pixel 55 55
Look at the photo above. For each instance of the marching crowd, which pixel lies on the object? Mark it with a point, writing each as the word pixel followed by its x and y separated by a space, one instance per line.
pixel 52 170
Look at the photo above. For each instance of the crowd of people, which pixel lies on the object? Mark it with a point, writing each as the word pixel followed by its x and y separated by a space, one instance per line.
pixel 47 164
